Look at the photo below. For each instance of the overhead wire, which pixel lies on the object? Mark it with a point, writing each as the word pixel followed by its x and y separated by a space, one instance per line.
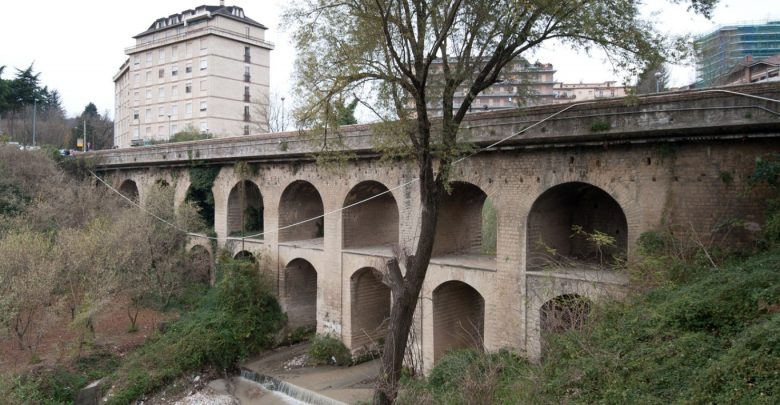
pixel 402 185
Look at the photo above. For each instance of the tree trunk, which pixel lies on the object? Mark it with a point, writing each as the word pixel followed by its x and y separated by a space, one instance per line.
pixel 406 290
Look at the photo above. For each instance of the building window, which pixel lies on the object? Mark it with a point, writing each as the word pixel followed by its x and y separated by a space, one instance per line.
pixel 188 88
pixel 148 115
pixel 204 43
pixel 174 110
pixel 148 75
pixel 247 76
pixel 135 96
pixel 246 129
pixel 161 73
pixel 247 55
pixel 161 55
pixel 203 106
pixel 160 111
pixel 188 68
pixel 148 94
pixel 161 92
pixel 174 70
pixel 161 130
pixel 204 127
pixel 174 52
pixel 203 85
pixel 135 133
pixel 188 47
pixel 148 131
pixel 137 78
pixel 174 129
pixel 136 62
pixel 149 58
pixel 246 93
pixel 204 64
pixel 188 109
pixel 246 113
pixel 135 114
pixel 174 91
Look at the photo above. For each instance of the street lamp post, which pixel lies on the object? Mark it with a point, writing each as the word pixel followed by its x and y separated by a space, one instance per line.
pixel 170 135
pixel 658 82
pixel 283 124
pixel 35 110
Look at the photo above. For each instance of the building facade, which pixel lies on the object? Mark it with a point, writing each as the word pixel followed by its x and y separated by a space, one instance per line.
pixel 521 84
pixel 205 70
pixel 717 53
pixel 572 92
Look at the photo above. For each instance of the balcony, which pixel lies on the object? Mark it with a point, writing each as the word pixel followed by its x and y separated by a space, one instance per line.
pixel 247 77
pixel 247 58
pixel 246 117
pixel 246 97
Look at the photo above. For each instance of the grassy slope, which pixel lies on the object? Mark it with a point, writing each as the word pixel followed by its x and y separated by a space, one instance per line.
pixel 713 339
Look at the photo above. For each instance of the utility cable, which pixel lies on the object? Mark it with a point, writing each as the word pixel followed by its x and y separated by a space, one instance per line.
pixel 480 150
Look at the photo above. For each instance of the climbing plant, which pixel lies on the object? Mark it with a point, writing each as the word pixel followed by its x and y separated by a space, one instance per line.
pixel 201 181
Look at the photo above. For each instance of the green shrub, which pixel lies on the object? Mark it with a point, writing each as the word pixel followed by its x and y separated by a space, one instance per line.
pixel 236 318
pixel 326 349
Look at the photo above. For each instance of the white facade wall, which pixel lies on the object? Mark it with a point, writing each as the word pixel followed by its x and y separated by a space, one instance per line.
pixel 157 97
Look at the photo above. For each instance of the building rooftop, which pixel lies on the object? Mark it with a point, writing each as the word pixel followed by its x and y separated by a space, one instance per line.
pixel 204 11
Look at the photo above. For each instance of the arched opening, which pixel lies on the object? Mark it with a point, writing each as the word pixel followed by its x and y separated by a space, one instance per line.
pixel 300 294
pixel 458 318
pixel 245 210
pixel 199 265
pixel 199 193
pixel 300 202
pixel 245 255
pixel 373 223
pixel 575 224
pixel 129 189
pixel 370 309
pixel 467 223
pixel 563 313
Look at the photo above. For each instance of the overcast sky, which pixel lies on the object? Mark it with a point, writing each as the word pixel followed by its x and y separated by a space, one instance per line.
pixel 79 45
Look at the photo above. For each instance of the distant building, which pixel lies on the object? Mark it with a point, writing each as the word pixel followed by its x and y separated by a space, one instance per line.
pixel 750 71
pixel 204 68
pixel 719 52
pixel 521 84
pixel 571 92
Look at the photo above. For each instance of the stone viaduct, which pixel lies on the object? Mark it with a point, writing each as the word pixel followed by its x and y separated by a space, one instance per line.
pixel 623 167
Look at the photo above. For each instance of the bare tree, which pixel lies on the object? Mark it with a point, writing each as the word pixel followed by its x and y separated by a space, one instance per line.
pixel 385 50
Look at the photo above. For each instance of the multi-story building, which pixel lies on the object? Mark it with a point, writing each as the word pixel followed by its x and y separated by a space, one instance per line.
pixel 570 92
pixel 205 69
pixel 521 84
pixel 719 52
pixel 750 71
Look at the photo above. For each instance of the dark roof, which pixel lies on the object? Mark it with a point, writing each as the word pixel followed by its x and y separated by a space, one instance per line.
pixel 174 20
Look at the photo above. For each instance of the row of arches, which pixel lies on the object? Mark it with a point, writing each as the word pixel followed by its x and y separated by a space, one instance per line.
pixel 561 223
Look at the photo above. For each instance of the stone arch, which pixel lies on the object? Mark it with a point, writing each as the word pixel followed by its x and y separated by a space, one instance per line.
pixel 370 308
pixel 245 209
pixel 299 294
pixel 129 189
pixel 199 264
pixel 458 318
pixel 371 223
pixel 459 229
pixel 245 255
pixel 550 236
pixel 300 202
pixel 562 313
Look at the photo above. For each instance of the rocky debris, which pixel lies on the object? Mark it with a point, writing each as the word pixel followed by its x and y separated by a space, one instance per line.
pixel 207 397
pixel 295 362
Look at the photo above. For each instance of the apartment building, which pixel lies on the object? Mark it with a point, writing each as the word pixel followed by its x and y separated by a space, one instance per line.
pixel 521 84
pixel 571 92
pixel 720 51
pixel 205 69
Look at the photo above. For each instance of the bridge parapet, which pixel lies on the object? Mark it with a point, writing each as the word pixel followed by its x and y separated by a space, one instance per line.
pixel 667 116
